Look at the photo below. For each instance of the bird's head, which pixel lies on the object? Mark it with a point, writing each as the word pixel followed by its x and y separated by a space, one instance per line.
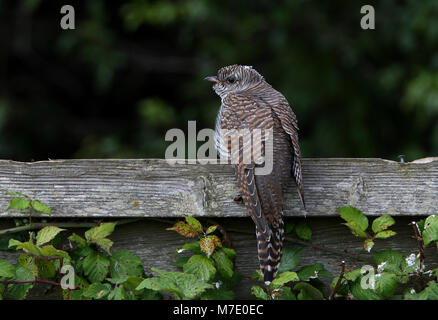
pixel 233 79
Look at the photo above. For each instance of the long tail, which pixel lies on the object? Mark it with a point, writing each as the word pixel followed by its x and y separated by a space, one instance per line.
pixel 270 250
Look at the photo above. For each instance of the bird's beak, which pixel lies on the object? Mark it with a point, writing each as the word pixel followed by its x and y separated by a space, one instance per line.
pixel 212 79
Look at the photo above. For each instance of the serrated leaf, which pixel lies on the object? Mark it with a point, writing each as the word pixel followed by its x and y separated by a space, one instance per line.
pixel 18 204
pixel 430 232
pixel 223 264
pixel 19 291
pixel 382 223
pixel 291 259
pixel 368 244
pixel 303 231
pixel 284 278
pixel 118 293
pixel 386 284
pixel 125 264
pixel 259 293
pixel 186 286
pixel 192 246
pixel 46 268
pixel 211 229
pixel 312 271
pixel 352 275
pixel 356 229
pixel 97 291
pixel 200 266
pixel 363 294
pixel 286 294
pixel 385 234
pixel 41 207
pixel 28 261
pixel 78 239
pixel 47 234
pixel 308 292
pixel 99 232
pixel 195 224
pixel 7 270
pixel 96 266
pixel 354 216
pixel 184 229
pixel 209 243
pixel 50 250
pixel 28 247
pixel 389 256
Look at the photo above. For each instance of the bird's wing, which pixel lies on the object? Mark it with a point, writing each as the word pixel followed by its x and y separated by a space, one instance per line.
pixel 290 125
pixel 239 113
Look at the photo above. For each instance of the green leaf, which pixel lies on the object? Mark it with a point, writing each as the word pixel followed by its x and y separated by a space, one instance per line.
pixel 382 223
pixel 223 264
pixel 211 229
pixel 125 264
pixel 40 207
pixel 368 244
pixel 218 294
pixel 303 231
pixel 28 247
pixel 195 224
pixel 286 294
pixel 352 275
pixel 259 293
pixel 389 256
pixel 47 234
pixel 356 230
pixel 430 232
pixel 49 251
pixel 193 247
pixel 46 268
pixel 284 278
pixel 118 293
pixel 363 294
pixel 386 284
pixel 354 217
pixel 184 285
pixel 7 270
pixel 200 266
pixel 385 234
pixel 313 271
pixel 28 262
pixel 308 292
pixel 96 266
pixel 290 226
pixel 99 232
pixel 19 291
pixel 97 291
pixel 291 259
pixel 105 244
pixel 184 229
pixel 78 239
pixel 18 204
pixel 180 262
pixel 209 243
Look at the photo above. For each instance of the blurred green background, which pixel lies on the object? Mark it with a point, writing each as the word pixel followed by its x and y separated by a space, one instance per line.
pixel 133 69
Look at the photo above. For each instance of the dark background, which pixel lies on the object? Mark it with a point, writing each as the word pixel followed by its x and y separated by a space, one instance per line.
pixel 132 70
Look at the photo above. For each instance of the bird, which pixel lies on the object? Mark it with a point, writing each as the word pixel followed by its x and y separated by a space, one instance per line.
pixel 249 102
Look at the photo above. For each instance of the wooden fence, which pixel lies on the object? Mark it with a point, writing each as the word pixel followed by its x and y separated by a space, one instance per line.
pixel 152 188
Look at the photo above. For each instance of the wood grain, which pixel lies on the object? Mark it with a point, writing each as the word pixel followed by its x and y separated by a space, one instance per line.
pixel 154 188
pixel 156 246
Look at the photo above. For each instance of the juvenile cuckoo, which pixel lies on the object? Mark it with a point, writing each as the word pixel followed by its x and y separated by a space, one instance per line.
pixel 249 102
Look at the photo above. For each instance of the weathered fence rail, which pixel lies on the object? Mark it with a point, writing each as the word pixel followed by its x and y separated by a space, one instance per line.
pixel 152 188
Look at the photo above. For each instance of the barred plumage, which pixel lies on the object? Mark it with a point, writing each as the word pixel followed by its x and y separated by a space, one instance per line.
pixel 249 102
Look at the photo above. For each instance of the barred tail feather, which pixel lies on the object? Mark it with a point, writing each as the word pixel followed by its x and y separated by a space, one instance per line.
pixel 270 250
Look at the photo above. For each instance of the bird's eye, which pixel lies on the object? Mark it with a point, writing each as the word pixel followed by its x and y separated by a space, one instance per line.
pixel 231 80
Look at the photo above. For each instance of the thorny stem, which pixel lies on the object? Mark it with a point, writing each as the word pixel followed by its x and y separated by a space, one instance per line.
pixel 420 242
pixel 341 276
pixel 35 226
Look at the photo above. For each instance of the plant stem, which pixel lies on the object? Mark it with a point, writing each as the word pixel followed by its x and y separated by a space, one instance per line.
pixel 420 242
pixel 35 226
pixel 341 276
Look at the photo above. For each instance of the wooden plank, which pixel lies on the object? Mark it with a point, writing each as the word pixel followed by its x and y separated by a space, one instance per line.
pixel 153 188
pixel 156 246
